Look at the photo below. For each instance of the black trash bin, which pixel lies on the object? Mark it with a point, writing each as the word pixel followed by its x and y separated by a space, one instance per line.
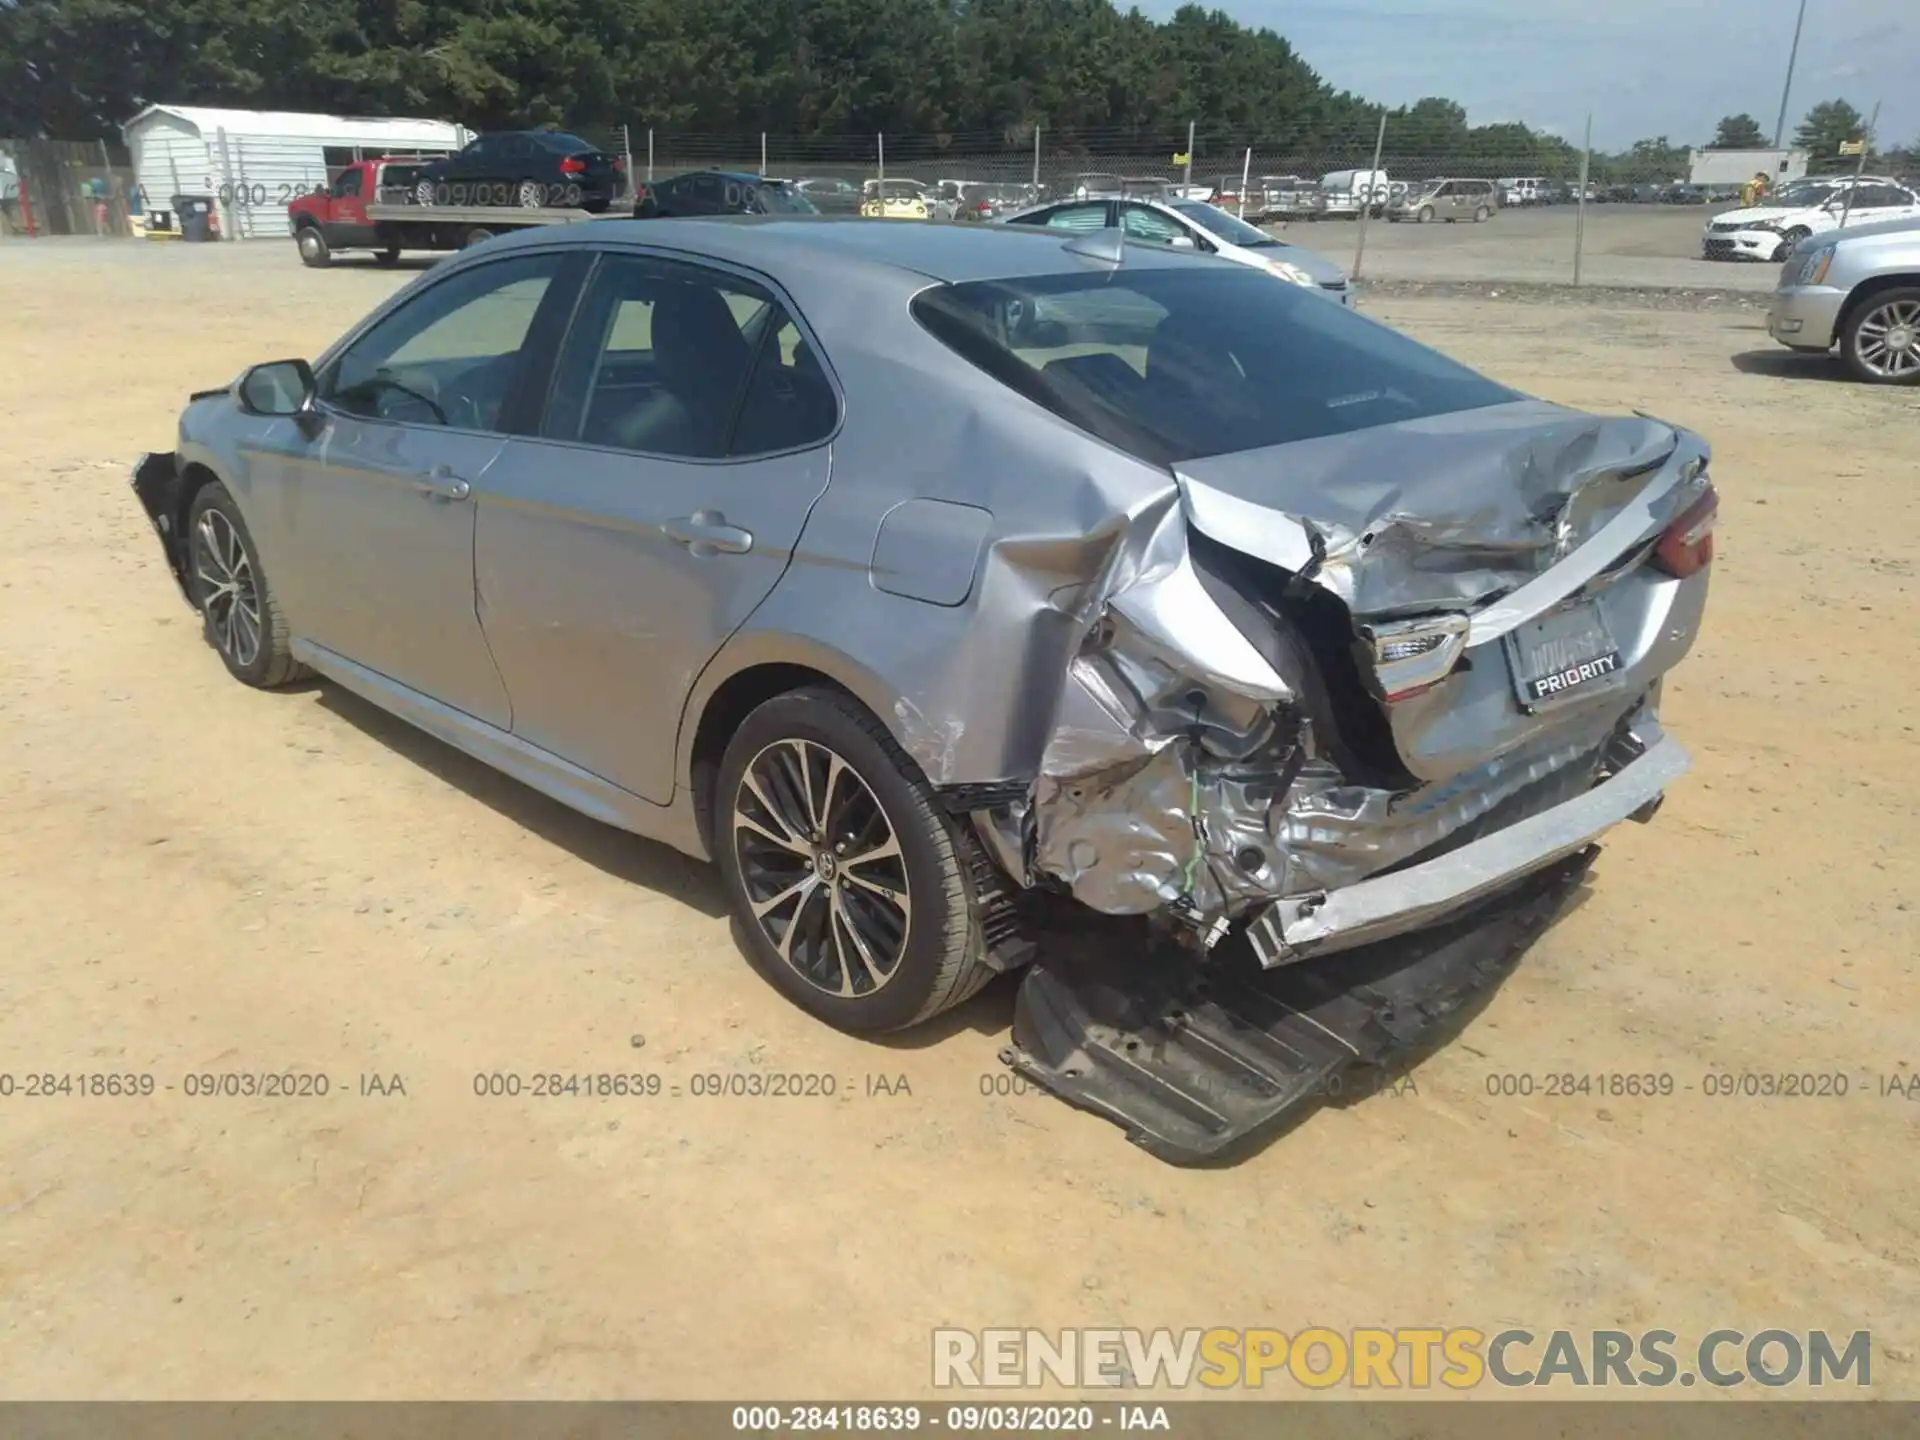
pixel 197 218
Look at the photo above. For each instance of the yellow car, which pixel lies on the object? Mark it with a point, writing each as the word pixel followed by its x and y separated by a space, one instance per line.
pixel 894 200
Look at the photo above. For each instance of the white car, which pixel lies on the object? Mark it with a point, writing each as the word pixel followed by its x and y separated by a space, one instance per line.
pixel 1805 207
pixel 1194 225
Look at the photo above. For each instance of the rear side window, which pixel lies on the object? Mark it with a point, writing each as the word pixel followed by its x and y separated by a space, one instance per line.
pixel 1179 364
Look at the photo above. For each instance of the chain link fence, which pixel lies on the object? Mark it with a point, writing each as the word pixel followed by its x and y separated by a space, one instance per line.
pixel 1379 171
pixel 61 187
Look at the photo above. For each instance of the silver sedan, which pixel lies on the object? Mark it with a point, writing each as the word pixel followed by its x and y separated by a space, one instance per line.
pixel 935 578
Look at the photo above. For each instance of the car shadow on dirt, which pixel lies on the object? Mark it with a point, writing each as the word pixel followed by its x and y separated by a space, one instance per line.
pixel 615 852
pixel 1789 365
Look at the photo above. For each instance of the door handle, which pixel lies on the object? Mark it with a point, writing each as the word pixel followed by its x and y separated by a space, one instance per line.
pixel 440 483
pixel 706 532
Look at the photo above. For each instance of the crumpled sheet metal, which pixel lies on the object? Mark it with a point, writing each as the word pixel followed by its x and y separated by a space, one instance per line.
pixel 1433 514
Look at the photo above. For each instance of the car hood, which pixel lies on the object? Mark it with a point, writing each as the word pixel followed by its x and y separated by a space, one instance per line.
pixel 1440 513
pixel 1765 214
pixel 1323 270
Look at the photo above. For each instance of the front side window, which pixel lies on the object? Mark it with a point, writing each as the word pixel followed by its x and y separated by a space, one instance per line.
pixel 1223 226
pixel 1137 222
pixel 449 355
pixel 675 360
pixel 1179 364
pixel 347 183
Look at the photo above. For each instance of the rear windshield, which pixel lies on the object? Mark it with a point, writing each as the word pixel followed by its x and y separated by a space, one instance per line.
pixel 561 143
pixel 1180 364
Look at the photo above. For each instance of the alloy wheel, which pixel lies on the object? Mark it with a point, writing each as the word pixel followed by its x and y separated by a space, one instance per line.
pixel 309 244
pixel 229 592
pixel 1887 340
pixel 530 195
pixel 821 864
pixel 423 193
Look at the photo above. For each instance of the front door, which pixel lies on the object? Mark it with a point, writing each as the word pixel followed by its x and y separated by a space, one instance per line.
pixel 347 223
pixel 684 443
pixel 379 504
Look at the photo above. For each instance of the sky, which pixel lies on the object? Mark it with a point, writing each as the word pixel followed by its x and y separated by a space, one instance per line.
pixel 1642 67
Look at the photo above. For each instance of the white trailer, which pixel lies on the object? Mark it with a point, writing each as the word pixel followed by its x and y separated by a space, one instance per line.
pixel 1736 167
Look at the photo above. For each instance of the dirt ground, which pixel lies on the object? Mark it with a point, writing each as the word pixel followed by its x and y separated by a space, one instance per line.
pixel 197 879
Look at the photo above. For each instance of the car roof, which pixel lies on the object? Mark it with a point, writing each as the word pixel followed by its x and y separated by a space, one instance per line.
pixel 938 250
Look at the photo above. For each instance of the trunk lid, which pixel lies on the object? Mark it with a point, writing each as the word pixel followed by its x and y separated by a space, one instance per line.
pixel 1492 564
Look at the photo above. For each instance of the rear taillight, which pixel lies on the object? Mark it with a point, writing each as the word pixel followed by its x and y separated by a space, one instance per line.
pixel 573 165
pixel 1686 546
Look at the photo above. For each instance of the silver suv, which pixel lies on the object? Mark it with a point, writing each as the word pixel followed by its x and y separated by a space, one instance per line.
pixel 1858 289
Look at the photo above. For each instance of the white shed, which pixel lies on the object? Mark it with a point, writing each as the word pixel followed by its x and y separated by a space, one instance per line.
pixel 254 161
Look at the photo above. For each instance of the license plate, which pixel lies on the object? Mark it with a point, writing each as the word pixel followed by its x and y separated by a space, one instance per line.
pixel 1568 652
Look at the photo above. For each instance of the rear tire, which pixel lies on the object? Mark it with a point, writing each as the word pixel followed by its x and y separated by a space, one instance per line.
pixel 809 783
pixel 1870 341
pixel 313 246
pixel 1481 214
pixel 425 193
pixel 530 195
pixel 239 613
pixel 388 256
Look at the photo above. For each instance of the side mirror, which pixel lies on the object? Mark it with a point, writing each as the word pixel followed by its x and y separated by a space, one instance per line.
pixel 1183 242
pixel 280 387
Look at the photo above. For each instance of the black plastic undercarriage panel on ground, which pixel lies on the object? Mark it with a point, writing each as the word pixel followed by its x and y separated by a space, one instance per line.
pixel 1194 1061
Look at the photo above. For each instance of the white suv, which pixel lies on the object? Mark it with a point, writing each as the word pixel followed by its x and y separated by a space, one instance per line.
pixel 1802 208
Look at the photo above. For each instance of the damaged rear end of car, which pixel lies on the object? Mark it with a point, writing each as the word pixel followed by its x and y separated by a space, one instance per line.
pixel 1361 686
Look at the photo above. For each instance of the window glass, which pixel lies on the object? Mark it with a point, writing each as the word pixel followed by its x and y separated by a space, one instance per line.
pixel 657 357
pixel 347 183
pixel 1177 364
pixel 1140 223
pixel 1078 217
pixel 448 356
pixel 789 401
pixel 1225 225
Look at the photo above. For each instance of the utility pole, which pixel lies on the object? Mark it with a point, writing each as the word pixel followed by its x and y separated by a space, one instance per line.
pixel 1580 214
pixel 1780 125
pixel 1859 165
pixel 1036 162
pixel 1189 172
pixel 1367 197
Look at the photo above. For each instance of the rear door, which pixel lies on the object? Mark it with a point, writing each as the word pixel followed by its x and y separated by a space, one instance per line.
pixel 684 441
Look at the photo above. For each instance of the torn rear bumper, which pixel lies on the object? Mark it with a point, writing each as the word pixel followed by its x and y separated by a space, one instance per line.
pixel 1405 900
pixel 1194 1062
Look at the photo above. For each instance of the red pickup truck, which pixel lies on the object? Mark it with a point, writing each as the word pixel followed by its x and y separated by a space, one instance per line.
pixel 369 206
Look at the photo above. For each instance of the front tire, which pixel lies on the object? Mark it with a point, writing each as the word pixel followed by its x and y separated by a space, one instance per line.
pixel 313 247
pixel 389 256
pixel 425 192
pixel 239 612
pixel 1880 342
pixel 846 877
pixel 1787 241
pixel 1426 215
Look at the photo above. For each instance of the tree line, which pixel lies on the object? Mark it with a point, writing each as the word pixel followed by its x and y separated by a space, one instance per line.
pixel 981 69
